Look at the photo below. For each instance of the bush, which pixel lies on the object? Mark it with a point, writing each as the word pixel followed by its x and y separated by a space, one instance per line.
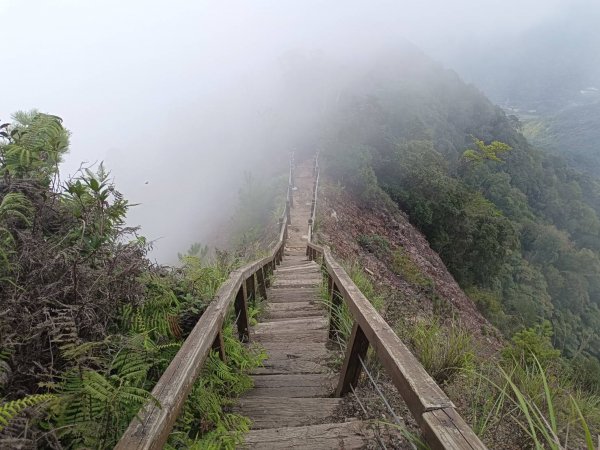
pixel 531 345
pixel 444 352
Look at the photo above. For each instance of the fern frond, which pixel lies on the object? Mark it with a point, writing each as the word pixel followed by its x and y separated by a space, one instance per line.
pixel 9 410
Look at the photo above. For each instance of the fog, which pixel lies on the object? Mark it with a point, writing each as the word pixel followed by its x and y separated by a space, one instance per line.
pixel 179 98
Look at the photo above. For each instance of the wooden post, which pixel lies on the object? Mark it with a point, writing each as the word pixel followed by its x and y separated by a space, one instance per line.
pixel 268 273
pixel 261 284
pixel 241 312
pixel 218 345
pixel 356 348
pixel 287 211
pixel 329 283
pixel 291 193
pixel 250 289
pixel 336 301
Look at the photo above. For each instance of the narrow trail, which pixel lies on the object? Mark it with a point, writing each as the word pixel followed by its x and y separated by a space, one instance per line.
pixel 291 404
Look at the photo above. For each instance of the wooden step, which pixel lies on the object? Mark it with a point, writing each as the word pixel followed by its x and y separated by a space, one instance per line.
pixel 302 295
pixel 307 350
pixel 291 325
pixel 279 364
pixel 295 283
pixel 306 336
pixel 292 385
pixel 295 306
pixel 347 435
pixel 274 412
pixel 305 311
pixel 304 268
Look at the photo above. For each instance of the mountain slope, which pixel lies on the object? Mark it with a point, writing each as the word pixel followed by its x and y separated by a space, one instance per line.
pixel 521 234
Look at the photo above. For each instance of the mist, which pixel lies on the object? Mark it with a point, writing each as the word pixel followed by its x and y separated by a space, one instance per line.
pixel 180 98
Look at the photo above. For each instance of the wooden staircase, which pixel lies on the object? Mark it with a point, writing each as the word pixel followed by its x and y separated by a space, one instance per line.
pixel 291 405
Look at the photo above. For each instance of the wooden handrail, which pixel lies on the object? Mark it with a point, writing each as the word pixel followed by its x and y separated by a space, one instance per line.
pixel 441 425
pixel 153 424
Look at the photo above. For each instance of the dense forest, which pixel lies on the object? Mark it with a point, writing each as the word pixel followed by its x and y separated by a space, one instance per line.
pixel 518 227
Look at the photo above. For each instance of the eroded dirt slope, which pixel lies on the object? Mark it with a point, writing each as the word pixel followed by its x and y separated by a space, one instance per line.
pixel 344 221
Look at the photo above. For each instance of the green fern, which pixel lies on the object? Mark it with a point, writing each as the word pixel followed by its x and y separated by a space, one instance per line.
pixel 204 423
pixel 158 314
pixel 34 146
pixel 9 410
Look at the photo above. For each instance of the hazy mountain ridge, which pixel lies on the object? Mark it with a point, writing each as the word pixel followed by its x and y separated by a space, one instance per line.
pixel 524 231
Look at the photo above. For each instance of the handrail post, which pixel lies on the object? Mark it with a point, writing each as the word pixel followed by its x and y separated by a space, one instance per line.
pixel 356 350
pixel 219 345
pixel 260 282
pixel 241 312
pixel 267 274
pixel 251 289
pixel 336 302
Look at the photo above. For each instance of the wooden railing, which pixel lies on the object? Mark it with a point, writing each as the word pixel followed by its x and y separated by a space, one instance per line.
pixel 440 423
pixel 151 429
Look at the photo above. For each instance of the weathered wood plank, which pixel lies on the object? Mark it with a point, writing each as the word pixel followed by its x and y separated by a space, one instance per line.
pixel 292 298
pixel 272 412
pixel 292 385
pixel 275 315
pixel 418 389
pixel 171 390
pixel 291 325
pixel 295 349
pixel 290 391
pixel 420 392
pixel 241 314
pixel 357 348
pixel 296 306
pixel 304 336
pixel 275 366
pixel 152 425
pixel 445 429
pixel 347 435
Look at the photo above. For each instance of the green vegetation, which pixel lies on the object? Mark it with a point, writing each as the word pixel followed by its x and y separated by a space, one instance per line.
pixel 529 398
pixel 405 267
pixel 215 390
pixel 89 324
pixel 518 228
pixel 445 352
pixel 340 314
pixel 378 245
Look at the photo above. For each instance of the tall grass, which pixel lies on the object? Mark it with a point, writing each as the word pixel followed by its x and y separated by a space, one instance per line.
pixel 546 410
pixel 443 351
pixel 341 316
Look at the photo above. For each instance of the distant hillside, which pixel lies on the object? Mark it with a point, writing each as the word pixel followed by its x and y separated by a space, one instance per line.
pixel 573 132
pixel 521 235
pixel 545 68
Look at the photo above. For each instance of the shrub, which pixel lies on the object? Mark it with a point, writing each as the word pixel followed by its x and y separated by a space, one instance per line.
pixel 531 345
pixel 444 352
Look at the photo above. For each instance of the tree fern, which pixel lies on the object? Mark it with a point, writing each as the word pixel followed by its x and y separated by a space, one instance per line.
pixel 35 144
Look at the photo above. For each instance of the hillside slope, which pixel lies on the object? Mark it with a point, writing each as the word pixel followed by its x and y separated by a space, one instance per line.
pixel 415 281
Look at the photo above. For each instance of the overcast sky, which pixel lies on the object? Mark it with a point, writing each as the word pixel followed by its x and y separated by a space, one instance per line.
pixel 173 93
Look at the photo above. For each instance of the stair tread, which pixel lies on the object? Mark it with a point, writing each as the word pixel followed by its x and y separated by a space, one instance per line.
pixel 274 412
pixel 347 435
